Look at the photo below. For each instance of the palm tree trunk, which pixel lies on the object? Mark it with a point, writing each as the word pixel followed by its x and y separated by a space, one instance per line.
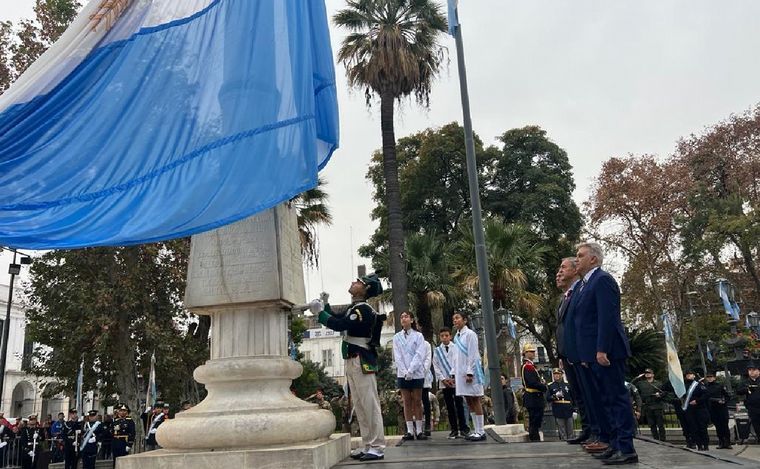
pixel 397 260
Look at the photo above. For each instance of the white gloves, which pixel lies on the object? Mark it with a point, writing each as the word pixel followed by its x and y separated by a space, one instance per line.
pixel 408 377
pixel 3 444
pixel 316 306
pixel 128 448
pixel 31 454
pixel 153 431
pixel 92 440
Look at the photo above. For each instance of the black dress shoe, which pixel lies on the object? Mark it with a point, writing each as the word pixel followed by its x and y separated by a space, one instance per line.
pixel 358 455
pixel 606 455
pixel 407 437
pixel 618 459
pixel 422 436
pixel 577 440
pixel 371 457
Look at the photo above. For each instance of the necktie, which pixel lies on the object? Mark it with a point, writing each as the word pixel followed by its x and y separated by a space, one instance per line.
pixel 447 348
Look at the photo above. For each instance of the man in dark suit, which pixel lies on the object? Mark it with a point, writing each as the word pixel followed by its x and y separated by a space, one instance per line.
pixel 602 347
pixel 566 278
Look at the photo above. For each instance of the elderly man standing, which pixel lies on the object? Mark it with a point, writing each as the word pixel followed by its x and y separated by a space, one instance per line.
pixel 603 348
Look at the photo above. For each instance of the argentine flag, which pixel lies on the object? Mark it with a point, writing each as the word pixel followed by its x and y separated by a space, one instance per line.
pixel 157 119
pixel 675 373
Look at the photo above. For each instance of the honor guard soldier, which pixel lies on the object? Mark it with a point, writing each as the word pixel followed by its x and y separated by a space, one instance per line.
pixel 72 436
pixel 653 399
pixel 92 434
pixel 718 407
pixel 750 389
pixel 559 396
pixel 31 441
pixel 6 436
pixel 534 387
pixel 123 432
pixel 154 422
pixel 363 326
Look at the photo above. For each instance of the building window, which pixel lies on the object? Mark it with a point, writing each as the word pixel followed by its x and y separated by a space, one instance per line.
pixel 307 355
pixel 327 358
pixel 26 360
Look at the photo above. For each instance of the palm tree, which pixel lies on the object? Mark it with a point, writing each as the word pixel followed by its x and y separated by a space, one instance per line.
pixel 392 51
pixel 312 210
pixel 431 285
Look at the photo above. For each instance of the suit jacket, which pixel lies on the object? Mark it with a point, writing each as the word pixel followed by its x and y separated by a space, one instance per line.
pixel 596 315
pixel 561 310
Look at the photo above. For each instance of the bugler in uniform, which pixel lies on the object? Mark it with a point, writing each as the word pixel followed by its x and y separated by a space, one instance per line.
pixel 363 326
pixel 123 432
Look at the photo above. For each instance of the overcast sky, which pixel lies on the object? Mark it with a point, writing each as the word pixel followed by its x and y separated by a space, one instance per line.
pixel 603 78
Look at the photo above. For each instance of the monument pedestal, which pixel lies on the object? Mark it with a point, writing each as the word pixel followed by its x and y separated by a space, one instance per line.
pixel 247 276
pixel 318 455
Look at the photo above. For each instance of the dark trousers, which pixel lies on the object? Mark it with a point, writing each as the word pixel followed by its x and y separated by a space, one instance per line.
pixel 70 457
pixel 616 402
pixel 656 421
pixel 685 424
pixel 754 418
pixel 535 419
pixel 426 407
pixel 88 460
pixel 105 450
pixel 719 418
pixel 575 388
pixel 455 410
pixel 698 418
pixel 600 427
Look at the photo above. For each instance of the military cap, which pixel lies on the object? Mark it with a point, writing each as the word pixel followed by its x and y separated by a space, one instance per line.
pixel 752 364
pixel 123 406
pixel 166 405
pixel 158 405
pixel 32 417
pixel 710 373
pixel 649 370
pixel 557 370
pixel 73 411
pixel 92 413
pixel 528 348
pixel 691 372
pixel 372 282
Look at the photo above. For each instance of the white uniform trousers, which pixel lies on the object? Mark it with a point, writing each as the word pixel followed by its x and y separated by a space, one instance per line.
pixel 367 405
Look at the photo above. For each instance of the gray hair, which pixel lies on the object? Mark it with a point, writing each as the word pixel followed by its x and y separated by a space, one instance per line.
pixel 594 249
pixel 572 260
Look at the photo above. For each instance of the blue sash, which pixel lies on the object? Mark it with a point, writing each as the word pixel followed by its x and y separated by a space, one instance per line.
pixel 89 435
pixel 688 395
pixel 479 377
pixel 443 361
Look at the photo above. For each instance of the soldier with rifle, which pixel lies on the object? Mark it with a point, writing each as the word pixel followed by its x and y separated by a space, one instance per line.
pixel 653 398
pixel 71 434
pixel 31 439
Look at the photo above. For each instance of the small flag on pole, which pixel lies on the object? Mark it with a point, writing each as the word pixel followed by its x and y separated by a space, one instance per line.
pixel 150 396
pixel 453 17
pixel 512 327
pixel 675 373
pixel 709 352
pixel 80 385
pixel 732 309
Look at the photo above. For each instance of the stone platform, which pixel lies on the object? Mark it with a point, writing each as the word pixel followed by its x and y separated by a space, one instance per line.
pixel 441 453
pixel 317 455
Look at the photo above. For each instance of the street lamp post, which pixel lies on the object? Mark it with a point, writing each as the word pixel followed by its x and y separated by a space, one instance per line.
pixel 690 295
pixel 14 269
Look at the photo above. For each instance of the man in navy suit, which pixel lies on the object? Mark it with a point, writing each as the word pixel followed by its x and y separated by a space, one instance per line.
pixel 602 348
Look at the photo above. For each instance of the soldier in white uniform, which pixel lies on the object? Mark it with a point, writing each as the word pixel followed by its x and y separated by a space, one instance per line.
pixel 468 373
pixel 409 354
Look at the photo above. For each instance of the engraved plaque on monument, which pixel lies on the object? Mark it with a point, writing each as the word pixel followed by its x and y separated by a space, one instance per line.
pixel 255 259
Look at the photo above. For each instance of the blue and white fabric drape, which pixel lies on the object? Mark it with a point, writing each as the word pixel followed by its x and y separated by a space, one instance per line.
pixel 155 119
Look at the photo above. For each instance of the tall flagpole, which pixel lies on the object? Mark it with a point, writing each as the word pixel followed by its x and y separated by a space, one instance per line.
pixel 481 258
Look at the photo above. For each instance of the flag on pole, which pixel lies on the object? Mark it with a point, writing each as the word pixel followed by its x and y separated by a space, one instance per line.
pixel 486 374
pixel 151 120
pixel 151 395
pixel 511 326
pixel 80 391
pixel 731 308
pixel 675 373
pixel 453 16
pixel 708 352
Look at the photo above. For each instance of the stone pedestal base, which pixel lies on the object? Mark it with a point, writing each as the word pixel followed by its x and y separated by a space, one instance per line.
pixel 316 455
pixel 512 433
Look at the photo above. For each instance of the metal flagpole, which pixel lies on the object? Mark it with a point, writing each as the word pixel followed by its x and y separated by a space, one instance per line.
pixel 477 227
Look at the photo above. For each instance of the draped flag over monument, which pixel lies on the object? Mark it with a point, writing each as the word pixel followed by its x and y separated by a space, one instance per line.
pixel 675 373
pixel 156 119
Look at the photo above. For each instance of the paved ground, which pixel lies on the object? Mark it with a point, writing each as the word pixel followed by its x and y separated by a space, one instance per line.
pixel 440 453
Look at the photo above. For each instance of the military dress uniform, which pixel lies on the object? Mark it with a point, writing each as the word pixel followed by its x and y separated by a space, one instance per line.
pixel 558 394
pixel 695 408
pixel 718 398
pixel 6 437
pixel 150 436
pixel 92 434
pixel 750 389
pixel 359 349
pixel 71 434
pixel 31 442
pixel 533 398
pixel 123 434
pixel 653 399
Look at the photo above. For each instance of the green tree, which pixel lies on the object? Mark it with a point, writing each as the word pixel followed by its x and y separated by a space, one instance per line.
pixel 392 51
pixel 113 307
pixel 313 211
pixel 647 351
